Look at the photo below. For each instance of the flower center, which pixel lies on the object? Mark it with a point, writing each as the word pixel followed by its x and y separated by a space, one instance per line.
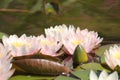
pixel 117 55
pixel 45 42
pixel 59 30
pixel 18 44
pixel 0 55
pixel 76 42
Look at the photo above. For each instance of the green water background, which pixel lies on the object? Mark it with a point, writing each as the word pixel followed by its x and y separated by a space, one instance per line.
pixel 102 16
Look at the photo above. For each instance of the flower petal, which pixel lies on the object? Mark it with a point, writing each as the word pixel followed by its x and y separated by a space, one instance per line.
pixel 113 76
pixel 93 75
pixel 103 75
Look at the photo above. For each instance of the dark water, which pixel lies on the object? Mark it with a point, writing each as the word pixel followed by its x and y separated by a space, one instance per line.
pixel 102 18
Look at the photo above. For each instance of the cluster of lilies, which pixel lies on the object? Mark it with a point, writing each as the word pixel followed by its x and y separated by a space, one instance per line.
pixel 56 38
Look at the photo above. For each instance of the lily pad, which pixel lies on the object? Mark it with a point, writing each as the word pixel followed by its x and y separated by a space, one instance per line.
pixel 91 66
pixel 40 66
pixel 37 55
pixel 31 77
pixel 100 51
pixel 82 74
pixel 65 78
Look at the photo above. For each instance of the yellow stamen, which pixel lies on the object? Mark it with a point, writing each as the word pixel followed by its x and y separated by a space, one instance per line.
pixel 44 42
pixel 76 42
pixel 117 55
pixel 18 44
pixel 0 55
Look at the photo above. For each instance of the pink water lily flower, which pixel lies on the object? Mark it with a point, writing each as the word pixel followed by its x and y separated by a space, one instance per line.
pixel 112 56
pixel 71 37
pixel 88 39
pixel 103 76
pixel 5 64
pixel 49 45
pixel 22 45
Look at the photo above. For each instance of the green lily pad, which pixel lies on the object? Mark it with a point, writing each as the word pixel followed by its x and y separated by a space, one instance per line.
pixel 31 77
pixel 102 59
pixel 65 78
pixel 91 66
pixel 100 51
pixel 82 74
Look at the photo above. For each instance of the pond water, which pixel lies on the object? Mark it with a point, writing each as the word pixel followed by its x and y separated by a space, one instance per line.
pixel 101 18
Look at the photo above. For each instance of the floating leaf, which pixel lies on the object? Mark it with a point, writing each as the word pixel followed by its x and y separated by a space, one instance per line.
pixel 37 55
pixel 82 74
pixel 102 59
pixel 100 51
pixel 65 78
pixel 76 75
pixel 106 67
pixel 79 56
pixel 41 66
pixel 31 77
pixel 91 66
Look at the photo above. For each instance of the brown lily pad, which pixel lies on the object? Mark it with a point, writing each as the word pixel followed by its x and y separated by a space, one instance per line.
pixel 41 66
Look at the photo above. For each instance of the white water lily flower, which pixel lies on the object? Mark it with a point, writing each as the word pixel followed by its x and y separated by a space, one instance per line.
pixel 71 37
pixel 5 65
pixel 49 46
pixel 112 56
pixel 58 32
pixel 103 76
pixel 22 45
pixel 88 39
